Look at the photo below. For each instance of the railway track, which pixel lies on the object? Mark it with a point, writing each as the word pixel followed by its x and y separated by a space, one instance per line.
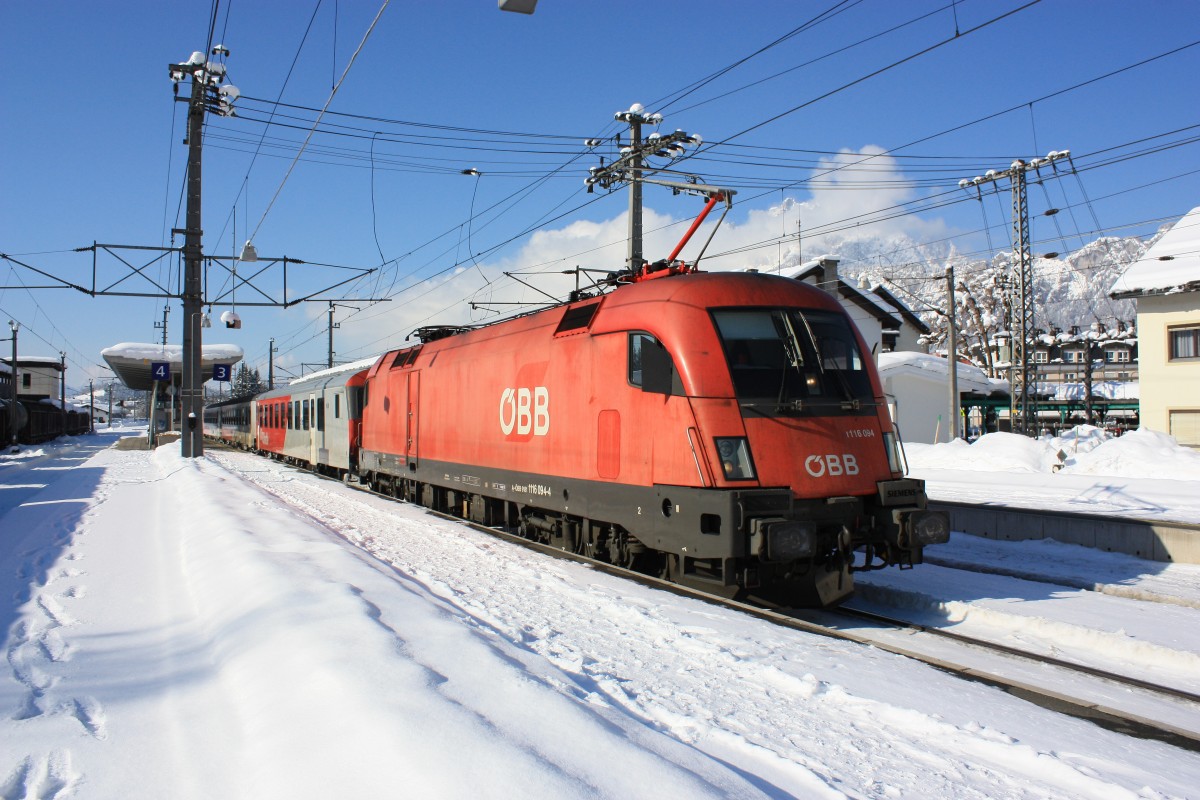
pixel 1107 715
pixel 900 637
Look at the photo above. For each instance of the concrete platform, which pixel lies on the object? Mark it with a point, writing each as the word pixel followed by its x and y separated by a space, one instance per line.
pixel 1154 540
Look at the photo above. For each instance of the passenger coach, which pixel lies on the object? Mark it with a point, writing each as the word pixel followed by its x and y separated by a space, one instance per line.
pixel 314 420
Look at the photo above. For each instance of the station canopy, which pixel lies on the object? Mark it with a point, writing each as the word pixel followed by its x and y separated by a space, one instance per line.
pixel 134 363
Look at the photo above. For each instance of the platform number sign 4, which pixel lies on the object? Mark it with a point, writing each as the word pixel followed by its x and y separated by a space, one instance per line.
pixel 160 370
pixel 222 372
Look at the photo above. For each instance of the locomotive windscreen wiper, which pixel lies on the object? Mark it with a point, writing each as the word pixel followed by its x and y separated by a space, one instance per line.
pixel 849 402
pixel 792 361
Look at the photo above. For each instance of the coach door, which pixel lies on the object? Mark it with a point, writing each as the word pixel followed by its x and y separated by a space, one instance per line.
pixel 310 422
pixel 410 444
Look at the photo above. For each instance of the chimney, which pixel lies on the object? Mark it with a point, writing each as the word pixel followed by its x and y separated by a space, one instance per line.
pixel 829 276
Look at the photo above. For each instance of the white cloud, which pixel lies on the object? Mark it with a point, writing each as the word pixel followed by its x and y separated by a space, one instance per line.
pixel 760 238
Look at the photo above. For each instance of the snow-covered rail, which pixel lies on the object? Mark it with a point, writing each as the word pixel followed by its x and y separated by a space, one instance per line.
pixel 1094 694
pixel 1078 677
pixel 1091 698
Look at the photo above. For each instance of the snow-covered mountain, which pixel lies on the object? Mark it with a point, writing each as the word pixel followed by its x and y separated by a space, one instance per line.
pixel 1069 291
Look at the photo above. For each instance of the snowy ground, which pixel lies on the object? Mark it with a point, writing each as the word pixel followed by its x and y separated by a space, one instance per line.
pixel 229 628
pixel 1141 474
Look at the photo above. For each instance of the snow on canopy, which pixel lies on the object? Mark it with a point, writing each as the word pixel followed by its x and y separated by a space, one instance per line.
pixel 1172 264
pixel 170 352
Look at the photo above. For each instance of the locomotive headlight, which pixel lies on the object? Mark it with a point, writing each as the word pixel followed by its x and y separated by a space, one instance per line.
pixel 777 539
pixel 895 459
pixel 931 527
pixel 735 458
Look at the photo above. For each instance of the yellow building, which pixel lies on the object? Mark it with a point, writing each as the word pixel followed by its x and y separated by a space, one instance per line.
pixel 1165 283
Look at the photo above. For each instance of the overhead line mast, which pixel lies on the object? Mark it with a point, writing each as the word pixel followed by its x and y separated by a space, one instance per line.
pixel 208 94
pixel 1022 406
pixel 632 167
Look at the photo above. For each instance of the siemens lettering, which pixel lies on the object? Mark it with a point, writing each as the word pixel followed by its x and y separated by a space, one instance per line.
pixel 525 411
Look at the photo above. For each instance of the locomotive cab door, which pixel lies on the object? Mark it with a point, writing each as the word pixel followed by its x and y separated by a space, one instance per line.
pixel 412 419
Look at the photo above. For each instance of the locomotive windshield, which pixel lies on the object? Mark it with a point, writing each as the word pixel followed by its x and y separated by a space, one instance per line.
pixel 794 361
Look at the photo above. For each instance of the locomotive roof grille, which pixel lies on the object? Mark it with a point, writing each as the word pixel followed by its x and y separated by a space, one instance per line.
pixel 577 318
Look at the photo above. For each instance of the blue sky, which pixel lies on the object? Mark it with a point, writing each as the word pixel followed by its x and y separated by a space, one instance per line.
pixel 91 145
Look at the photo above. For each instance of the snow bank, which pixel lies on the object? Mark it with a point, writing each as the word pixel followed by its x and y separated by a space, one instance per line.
pixel 1085 450
pixel 995 452
pixel 1139 454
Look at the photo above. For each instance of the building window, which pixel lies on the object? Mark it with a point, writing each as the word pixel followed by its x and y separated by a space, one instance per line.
pixel 1041 357
pixel 1073 356
pixel 1185 342
pixel 1184 425
pixel 27 380
pixel 1116 356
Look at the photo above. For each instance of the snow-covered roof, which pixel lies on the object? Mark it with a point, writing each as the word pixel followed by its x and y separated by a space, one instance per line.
pixel 35 361
pixel 1111 390
pixel 355 366
pixel 970 377
pixel 132 360
pixel 900 306
pixel 873 304
pixel 170 352
pixel 1171 265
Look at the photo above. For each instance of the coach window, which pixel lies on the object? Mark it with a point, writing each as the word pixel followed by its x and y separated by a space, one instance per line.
pixel 651 367
pixel 304 411
pixel 320 413
pixel 337 406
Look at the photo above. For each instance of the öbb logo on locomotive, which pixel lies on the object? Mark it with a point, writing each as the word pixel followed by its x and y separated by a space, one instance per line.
pixel 831 464
pixel 525 411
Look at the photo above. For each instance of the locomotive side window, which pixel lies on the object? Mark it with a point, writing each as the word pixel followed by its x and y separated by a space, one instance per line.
pixel 651 367
pixel 798 361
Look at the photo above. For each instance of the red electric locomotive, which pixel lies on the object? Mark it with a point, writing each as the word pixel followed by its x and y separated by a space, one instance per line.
pixel 723 430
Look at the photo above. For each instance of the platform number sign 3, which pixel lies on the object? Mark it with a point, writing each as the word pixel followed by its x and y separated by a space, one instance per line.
pixel 221 372
pixel 160 370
